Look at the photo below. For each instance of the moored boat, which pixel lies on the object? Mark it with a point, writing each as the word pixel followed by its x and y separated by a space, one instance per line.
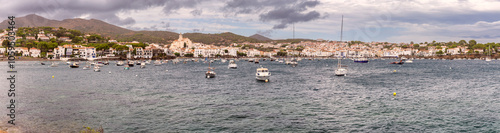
pixel 262 74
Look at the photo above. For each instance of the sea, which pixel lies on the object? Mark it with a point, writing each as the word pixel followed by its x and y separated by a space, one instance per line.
pixel 424 96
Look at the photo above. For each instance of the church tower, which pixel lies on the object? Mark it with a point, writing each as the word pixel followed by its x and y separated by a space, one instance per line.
pixel 180 36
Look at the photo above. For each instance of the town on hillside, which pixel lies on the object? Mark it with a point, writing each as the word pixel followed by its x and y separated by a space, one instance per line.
pixel 63 44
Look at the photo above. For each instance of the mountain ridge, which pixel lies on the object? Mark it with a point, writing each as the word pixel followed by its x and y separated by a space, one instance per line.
pixel 122 34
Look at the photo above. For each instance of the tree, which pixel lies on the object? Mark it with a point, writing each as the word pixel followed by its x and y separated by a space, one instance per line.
pixel 177 54
pixel 185 45
pixel 5 43
pixel 462 42
pixel 217 55
pixel 440 52
pixel 200 55
pixel 472 43
pixel 226 51
pixel 189 55
pixel 416 45
pixel 282 53
pixel 77 39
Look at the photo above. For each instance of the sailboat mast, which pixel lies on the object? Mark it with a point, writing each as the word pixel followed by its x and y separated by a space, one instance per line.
pixel 341 28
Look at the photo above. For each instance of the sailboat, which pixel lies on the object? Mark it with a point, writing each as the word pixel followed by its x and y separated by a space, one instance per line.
pixel 340 71
pixel 210 73
pixel 488 58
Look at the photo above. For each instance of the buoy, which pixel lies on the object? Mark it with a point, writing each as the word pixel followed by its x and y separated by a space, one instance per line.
pixel 166 70
pixel 394 71
pixel 109 72
pixel 136 75
pixel 394 94
pixel 52 76
pixel 267 80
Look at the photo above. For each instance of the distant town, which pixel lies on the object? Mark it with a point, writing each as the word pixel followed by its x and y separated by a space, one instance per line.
pixel 63 44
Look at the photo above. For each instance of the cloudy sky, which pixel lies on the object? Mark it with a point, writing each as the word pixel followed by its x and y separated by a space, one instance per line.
pixel 365 20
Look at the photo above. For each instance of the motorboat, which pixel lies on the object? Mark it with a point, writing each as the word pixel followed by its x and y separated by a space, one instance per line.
pixel 157 63
pixel 143 65
pixel 361 60
pixel 53 64
pixel 262 74
pixel 74 65
pixel 131 63
pixel 409 61
pixel 232 65
pixel 106 63
pixel 294 63
pixel 87 67
pixel 97 69
pixel 119 63
pixel 256 61
pixel 400 62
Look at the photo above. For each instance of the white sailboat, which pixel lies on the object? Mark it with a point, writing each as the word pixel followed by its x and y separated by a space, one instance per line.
pixel 488 58
pixel 340 71
pixel 210 73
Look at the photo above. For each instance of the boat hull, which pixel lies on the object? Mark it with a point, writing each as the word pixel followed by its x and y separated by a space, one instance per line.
pixel 262 78
pixel 361 61
pixel 209 75
pixel 72 66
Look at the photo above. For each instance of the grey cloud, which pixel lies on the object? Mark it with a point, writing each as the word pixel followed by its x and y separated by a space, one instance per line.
pixel 266 33
pixel 196 12
pixel 285 12
pixel 106 10
pixel 447 17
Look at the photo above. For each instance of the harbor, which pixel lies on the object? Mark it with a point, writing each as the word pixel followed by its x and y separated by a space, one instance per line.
pixel 305 98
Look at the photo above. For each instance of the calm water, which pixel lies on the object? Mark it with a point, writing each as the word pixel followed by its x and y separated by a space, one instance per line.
pixel 432 96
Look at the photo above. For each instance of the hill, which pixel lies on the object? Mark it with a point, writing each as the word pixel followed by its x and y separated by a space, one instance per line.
pixel 121 34
pixel 260 37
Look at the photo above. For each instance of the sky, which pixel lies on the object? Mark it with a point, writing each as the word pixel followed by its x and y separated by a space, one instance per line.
pixel 364 20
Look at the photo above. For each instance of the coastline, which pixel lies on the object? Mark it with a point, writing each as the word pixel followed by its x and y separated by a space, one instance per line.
pixel 4 59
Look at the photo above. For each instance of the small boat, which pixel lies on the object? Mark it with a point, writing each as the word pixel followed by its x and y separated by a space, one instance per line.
pixel 409 61
pixel 119 63
pixel 106 63
pixel 126 67
pixel 157 63
pixel 143 65
pixel 210 73
pixel 53 64
pixel 232 65
pixel 223 60
pixel 250 60
pixel 131 63
pixel 99 64
pixel 138 63
pixel 74 65
pixel 294 63
pixel 87 67
pixel 42 63
pixel 400 62
pixel 256 61
pixel 97 69
pixel 340 71
pixel 361 60
pixel 262 74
